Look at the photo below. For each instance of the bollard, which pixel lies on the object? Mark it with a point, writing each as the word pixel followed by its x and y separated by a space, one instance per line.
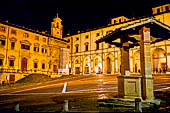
pixel 138 105
pixel 17 107
pixel 65 106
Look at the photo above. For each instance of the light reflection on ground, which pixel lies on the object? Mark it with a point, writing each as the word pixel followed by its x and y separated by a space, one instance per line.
pixel 102 96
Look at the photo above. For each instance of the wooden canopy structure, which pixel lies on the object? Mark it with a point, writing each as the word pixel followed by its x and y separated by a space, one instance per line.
pixel 130 33
pixel 142 33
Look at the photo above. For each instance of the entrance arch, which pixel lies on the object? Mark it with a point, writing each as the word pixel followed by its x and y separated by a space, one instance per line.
pixel 136 59
pixel 87 65
pixel 24 64
pixel 159 60
pixel 98 65
pixel 109 65
pixel 77 65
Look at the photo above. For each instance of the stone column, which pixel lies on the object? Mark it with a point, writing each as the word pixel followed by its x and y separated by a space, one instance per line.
pixel 145 58
pixel 125 58
pixel 81 66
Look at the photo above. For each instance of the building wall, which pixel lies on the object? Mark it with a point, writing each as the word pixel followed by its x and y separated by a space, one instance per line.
pixel 45 55
pixel 77 59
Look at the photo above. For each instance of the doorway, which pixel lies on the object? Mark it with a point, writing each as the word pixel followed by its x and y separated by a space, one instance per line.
pixel 24 64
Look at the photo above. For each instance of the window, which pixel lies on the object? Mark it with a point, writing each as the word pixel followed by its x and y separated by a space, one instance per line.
pixel 13 32
pixel 87 36
pixel 114 21
pixel 167 8
pixel 2 29
pixel 97 34
pixel 108 32
pixel 1 62
pixel 57 25
pixel 12 45
pixel 158 10
pixel 2 42
pixel 43 66
pixel 35 65
pixel 43 50
pixel 53 25
pixel 26 35
pixel 27 47
pixel 37 38
pixel 11 62
pixel 77 38
pixel 36 49
pixel 97 46
pixel 77 49
pixel 44 39
pixel 86 47
pixel 49 66
pixel 120 20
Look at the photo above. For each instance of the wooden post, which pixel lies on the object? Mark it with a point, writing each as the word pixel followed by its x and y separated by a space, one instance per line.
pixel 125 58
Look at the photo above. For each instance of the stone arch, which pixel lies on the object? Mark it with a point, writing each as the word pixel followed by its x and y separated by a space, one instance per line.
pixel 77 65
pixel 109 65
pixel 136 60
pixel 2 56
pixel 36 44
pixel 97 64
pixel 13 39
pixel 87 65
pixel 159 60
pixel 25 42
pixel 2 37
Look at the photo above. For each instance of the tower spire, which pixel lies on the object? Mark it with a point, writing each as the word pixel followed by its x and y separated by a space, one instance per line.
pixel 57 14
pixel 56 27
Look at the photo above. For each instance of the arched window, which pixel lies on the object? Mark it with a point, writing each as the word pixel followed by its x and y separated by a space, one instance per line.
pixel 57 25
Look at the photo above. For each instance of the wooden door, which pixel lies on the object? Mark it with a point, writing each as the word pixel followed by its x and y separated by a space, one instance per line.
pixel 24 64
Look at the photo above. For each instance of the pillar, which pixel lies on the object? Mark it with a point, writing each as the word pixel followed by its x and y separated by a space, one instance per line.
pixel 81 65
pixel 125 58
pixel 145 58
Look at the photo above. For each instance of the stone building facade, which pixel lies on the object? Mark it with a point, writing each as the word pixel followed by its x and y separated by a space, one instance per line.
pixel 87 57
pixel 24 51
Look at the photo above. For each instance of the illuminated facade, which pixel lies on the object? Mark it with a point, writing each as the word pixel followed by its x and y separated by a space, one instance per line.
pixel 24 51
pixel 87 57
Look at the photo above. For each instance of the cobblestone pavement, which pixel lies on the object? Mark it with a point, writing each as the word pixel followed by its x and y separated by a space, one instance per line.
pixel 78 91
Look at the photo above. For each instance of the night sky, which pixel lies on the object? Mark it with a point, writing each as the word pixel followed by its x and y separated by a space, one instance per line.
pixel 76 15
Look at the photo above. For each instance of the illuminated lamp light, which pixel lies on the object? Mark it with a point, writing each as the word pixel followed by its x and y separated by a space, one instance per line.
pixel 161 55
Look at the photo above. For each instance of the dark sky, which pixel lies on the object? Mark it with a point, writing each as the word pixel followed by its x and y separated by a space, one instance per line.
pixel 76 15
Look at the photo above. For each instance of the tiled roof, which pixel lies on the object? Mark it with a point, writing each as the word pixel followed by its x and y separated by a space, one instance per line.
pixel 160 30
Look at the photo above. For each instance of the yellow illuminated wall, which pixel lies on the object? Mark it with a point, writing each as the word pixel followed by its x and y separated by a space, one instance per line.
pixel 103 52
pixel 24 51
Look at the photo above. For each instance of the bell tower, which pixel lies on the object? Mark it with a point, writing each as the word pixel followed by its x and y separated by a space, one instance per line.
pixel 57 27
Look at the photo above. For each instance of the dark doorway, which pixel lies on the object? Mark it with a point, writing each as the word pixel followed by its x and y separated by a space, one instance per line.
pixel 109 66
pixel 12 78
pixel 55 69
pixel 24 64
pixel 77 70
